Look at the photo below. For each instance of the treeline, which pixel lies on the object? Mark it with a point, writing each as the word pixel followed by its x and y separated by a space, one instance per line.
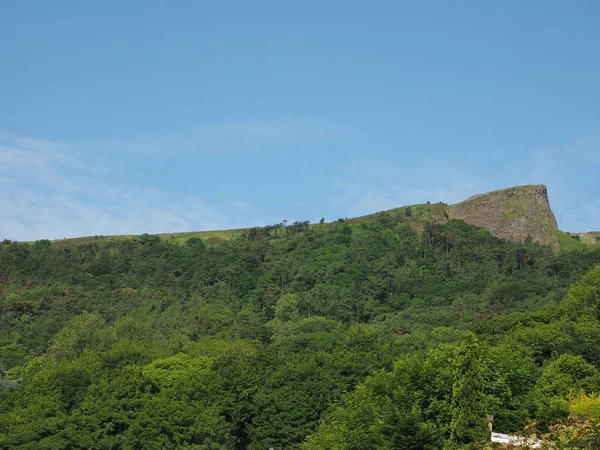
pixel 287 336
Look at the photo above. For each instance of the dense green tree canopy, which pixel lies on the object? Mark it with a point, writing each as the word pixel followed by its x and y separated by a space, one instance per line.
pixel 348 335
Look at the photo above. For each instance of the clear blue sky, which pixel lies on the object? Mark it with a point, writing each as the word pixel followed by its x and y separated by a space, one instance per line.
pixel 146 116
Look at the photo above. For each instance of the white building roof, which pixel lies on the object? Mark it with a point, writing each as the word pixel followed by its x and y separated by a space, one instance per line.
pixel 514 440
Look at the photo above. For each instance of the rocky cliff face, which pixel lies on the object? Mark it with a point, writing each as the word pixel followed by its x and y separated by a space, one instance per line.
pixel 514 213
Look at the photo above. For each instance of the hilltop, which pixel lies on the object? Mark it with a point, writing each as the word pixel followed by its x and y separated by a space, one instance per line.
pixel 518 213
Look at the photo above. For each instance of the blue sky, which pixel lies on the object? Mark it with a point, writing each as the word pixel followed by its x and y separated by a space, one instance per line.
pixel 146 116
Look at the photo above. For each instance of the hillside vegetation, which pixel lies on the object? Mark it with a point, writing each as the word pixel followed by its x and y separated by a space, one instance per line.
pixel 399 330
pixel 518 213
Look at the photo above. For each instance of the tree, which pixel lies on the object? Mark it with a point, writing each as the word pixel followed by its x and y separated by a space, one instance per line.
pixel 86 332
pixel 468 429
pixel 150 239
pixel 195 242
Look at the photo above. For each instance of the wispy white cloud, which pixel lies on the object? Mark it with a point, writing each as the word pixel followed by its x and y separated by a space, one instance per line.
pixel 56 189
pixel 47 192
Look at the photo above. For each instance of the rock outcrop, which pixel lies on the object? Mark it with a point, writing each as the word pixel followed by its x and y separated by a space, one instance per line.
pixel 516 213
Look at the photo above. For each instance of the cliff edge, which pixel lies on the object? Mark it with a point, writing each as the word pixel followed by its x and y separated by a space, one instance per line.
pixel 515 213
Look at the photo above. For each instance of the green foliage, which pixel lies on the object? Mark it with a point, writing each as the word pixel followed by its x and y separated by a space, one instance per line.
pixel 468 428
pixel 195 242
pixel 584 296
pixel 561 377
pixel 567 373
pixel 569 242
pixel 361 423
pixel 346 335
pixel 582 404
pixel 88 332
pixel 147 239
pixel 286 308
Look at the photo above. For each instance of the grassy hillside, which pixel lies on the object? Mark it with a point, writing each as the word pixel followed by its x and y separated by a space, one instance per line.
pixel 591 238
pixel 572 241
pixel 208 237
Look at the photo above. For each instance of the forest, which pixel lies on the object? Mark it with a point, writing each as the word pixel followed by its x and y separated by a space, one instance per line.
pixel 349 335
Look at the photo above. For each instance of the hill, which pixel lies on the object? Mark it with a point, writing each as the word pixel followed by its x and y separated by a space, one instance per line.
pixel 360 333
pixel 517 213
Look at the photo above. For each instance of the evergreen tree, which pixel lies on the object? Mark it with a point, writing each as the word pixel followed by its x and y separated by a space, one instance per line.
pixel 468 428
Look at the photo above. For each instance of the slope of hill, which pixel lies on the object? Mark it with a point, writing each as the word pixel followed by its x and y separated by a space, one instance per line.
pixel 341 335
pixel 517 214
pixel 590 238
